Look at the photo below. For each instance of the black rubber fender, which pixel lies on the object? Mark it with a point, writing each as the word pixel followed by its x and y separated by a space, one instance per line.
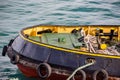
pixel 10 43
pixel 14 59
pixel 4 50
pixel 83 74
pixel 103 72
pixel 44 70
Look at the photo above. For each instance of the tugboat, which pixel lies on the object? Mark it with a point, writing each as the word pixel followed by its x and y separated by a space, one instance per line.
pixel 53 52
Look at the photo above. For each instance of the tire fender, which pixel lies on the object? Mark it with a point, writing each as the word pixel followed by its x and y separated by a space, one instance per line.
pixel 103 71
pixel 44 70
pixel 4 50
pixel 10 43
pixel 83 74
pixel 14 59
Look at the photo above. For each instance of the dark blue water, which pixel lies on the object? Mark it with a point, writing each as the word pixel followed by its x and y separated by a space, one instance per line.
pixel 17 14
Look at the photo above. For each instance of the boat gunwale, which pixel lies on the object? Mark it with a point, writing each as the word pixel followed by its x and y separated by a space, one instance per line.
pixel 67 49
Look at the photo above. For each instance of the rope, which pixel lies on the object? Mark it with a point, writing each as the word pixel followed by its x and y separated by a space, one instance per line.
pixel 79 68
pixel 89 40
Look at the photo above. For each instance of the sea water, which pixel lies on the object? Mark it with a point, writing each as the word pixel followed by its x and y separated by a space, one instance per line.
pixel 18 14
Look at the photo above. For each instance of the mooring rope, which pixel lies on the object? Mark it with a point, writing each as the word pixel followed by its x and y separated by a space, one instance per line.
pixel 81 67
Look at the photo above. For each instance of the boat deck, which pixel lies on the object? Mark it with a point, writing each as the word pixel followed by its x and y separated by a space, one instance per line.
pixel 71 41
pixel 65 40
pixel 92 39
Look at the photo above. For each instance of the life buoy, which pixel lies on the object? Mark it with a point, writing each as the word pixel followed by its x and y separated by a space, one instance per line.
pixel 102 74
pixel 44 70
pixel 82 73
pixel 14 59
pixel 10 43
pixel 4 50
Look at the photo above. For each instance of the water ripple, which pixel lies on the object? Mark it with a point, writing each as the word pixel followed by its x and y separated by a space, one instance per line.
pixel 84 9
